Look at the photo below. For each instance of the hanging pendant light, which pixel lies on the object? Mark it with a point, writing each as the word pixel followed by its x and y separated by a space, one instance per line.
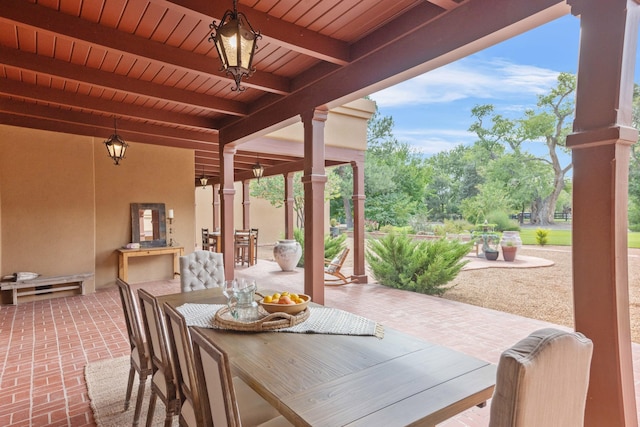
pixel 203 179
pixel 116 147
pixel 236 42
pixel 258 169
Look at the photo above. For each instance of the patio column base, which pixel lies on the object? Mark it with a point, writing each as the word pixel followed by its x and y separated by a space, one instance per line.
pixel 360 278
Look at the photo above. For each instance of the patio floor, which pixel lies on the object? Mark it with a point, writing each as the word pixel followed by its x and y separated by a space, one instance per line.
pixel 46 344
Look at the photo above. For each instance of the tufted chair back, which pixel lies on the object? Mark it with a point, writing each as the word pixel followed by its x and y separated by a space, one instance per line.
pixel 200 270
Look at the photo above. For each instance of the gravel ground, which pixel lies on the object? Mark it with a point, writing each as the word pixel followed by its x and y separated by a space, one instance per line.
pixel 543 293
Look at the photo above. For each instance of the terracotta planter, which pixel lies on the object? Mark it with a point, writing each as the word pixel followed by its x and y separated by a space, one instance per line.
pixel 509 253
pixel 287 253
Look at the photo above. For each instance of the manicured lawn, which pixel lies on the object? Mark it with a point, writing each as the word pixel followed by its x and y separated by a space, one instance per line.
pixel 563 237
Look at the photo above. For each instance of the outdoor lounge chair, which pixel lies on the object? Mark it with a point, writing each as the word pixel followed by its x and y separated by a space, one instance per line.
pixel 542 381
pixel 332 268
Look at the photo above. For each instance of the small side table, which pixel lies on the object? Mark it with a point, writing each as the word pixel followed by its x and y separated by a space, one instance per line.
pixel 125 254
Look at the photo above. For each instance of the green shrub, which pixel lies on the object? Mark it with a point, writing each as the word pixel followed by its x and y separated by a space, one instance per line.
pixel 502 221
pixel 419 223
pixel 298 234
pixel 457 226
pixel 423 266
pixel 387 228
pixel 542 236
pixel 332 245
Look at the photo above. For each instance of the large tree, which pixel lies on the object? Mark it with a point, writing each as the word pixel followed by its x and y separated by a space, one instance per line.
pixel 272 190
pixel 548 124
pixel 395 177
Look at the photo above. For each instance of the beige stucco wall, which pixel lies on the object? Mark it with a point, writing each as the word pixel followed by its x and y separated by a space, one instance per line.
pixel 64 205
pixel 149 174
pixel 47 201
pixel 345 127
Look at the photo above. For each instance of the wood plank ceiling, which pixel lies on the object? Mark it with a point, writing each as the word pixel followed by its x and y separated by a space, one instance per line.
pixel 74 65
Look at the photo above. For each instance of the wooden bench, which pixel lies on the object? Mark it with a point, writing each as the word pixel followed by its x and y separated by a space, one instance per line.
pixel 30 287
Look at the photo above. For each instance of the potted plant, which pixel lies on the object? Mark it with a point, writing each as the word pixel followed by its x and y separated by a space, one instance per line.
pixel 487 240
pixel 509 250
pixel 333 229
pixel 491 254
pixel 510 243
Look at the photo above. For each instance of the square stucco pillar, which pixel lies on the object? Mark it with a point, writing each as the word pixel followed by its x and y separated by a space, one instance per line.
pixel 227 194
pixel 314 180
pixel 359 270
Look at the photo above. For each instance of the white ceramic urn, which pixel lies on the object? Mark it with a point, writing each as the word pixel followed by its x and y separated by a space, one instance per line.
pixel 287 253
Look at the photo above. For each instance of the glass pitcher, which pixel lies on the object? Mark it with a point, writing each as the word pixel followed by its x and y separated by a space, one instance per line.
pixel 241 300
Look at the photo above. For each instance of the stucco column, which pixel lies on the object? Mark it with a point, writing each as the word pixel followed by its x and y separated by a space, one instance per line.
pixel 227 193
pixel 601 140
pixel 359 271
pixel 246 205
pixel 288 205
pixel 216 207
pixel 314 180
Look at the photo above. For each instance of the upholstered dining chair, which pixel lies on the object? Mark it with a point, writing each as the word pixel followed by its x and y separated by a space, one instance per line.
pixel 227 400
pixel 140 360
pixel 179 340
pixel 163 381
pixel 542 380
pixel 201 270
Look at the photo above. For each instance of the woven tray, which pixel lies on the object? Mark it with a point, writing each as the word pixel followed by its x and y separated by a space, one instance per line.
pixel 269 322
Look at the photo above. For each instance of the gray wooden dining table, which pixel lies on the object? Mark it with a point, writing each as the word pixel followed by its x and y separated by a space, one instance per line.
pixel 345 380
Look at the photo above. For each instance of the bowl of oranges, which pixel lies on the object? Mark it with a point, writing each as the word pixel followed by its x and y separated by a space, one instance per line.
pixel 285 302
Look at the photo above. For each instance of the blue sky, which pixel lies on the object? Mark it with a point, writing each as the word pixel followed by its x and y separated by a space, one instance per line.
pixel 432 112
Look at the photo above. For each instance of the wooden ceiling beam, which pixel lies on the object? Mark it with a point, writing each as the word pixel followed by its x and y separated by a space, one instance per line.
pixel 440 42
pixel 95 131
pixel 117 109
pixel 447 4
pixel 43 18
pixel 12 106
pixel 77 73
pixel 277 148
pixel 273 30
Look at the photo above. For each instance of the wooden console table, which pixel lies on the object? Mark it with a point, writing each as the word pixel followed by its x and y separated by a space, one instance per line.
pixel 125 254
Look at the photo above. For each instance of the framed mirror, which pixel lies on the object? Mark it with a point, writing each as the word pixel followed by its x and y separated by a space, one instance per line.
pixel 148 225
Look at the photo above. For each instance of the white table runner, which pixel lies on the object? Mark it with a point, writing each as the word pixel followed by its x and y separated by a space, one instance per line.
pixel 322 320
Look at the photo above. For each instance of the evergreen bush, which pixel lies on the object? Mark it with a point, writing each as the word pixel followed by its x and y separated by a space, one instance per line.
pixel 542 236
pixel 502 221
pixel 423 266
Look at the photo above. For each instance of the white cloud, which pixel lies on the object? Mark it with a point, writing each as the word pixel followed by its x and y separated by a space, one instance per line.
pixel 469 78
pixel 432 141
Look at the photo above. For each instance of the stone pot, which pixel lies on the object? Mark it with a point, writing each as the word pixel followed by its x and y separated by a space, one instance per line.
pixel 512 237
pixel 287 253
pixel 509 253
pixel 491 255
